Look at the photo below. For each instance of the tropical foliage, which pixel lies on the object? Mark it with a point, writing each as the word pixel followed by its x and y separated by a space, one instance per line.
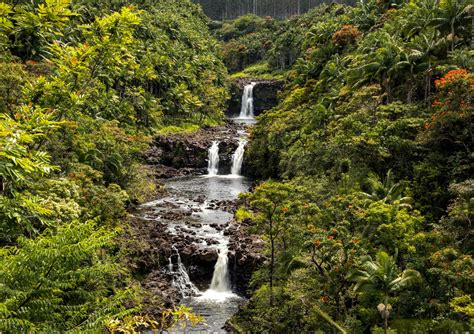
pixel 369 155
pixel 83 86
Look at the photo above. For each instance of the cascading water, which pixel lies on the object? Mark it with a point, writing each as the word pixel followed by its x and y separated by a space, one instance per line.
pixel 213 164
pixel 181 278
pixel 194 217
pixel 247 110
pixel 220 278
pixel 238 157
pixel 220 289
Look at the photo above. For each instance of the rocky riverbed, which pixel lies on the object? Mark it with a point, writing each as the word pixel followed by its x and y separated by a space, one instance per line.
pixel 191 218
pixel 185 245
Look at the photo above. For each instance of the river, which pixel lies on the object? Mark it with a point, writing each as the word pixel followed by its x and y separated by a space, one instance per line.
pixel 204 222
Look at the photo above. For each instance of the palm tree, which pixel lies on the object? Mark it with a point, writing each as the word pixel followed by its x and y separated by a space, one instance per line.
pixel 382 275
pixel 409 60
pixel 387 190
pixel 377 57
pixel 452 13
pixel 426 45
pixel 470 12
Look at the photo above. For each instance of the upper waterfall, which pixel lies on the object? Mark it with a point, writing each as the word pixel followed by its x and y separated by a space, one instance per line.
pixel 247 109
pixel 213 164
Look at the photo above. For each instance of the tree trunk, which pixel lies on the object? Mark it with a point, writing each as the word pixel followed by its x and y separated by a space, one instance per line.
pixel 452 35
pixel 428 82
pixel 410 86
pixel 472 32
pixel 272 263
pixel 385 315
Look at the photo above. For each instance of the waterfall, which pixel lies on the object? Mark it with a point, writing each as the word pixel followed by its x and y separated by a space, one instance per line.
pixel 220 278
pixel 213 164
pixel 181 279
pixel 238 157
pixel 247 101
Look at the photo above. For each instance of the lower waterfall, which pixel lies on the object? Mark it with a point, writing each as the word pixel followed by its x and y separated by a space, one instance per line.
pixel 181 278
pixel 220 278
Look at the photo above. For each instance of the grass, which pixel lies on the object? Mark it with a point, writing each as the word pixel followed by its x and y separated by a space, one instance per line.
pixel 259 70
pixel 172 129
pixel 179 126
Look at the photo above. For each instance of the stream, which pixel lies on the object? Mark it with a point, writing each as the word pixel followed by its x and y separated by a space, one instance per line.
pixel 192 211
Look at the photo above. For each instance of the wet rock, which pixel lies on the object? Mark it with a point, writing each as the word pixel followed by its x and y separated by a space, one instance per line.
pixel 211 242
pixel 187 153
pixel 244 255
pixel 200 199
pixel 207 255
pixel 159 292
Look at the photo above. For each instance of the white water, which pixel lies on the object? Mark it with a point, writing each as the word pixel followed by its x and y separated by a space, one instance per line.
pixel 220 278
pixel 196 196
pixel 238 157
pixel 213 164
pixel 247 110
pixel 181 278
pixel 220 289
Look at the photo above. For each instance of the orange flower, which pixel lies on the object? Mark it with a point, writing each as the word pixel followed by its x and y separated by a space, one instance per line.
pixel 284 209
pixel 330 237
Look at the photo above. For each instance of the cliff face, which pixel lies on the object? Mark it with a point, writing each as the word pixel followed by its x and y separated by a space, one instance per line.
pixel 265 94
pixel 231 9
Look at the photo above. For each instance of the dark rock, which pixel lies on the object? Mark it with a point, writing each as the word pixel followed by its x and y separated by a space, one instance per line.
pixel 244 256
pixel 208 255
pixel 265 94
pixel 187 153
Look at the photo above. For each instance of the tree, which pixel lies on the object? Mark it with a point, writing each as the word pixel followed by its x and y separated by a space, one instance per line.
pixel 470 12
pixel 20 165
pixel 382 276
pixel 61 281
pixel 427 45
pixel 269 200
pixel 451 15
pixel 376 58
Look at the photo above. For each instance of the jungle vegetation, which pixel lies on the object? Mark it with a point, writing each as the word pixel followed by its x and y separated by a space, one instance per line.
pixel 367 200
pixel 83 86
pixel 365 191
